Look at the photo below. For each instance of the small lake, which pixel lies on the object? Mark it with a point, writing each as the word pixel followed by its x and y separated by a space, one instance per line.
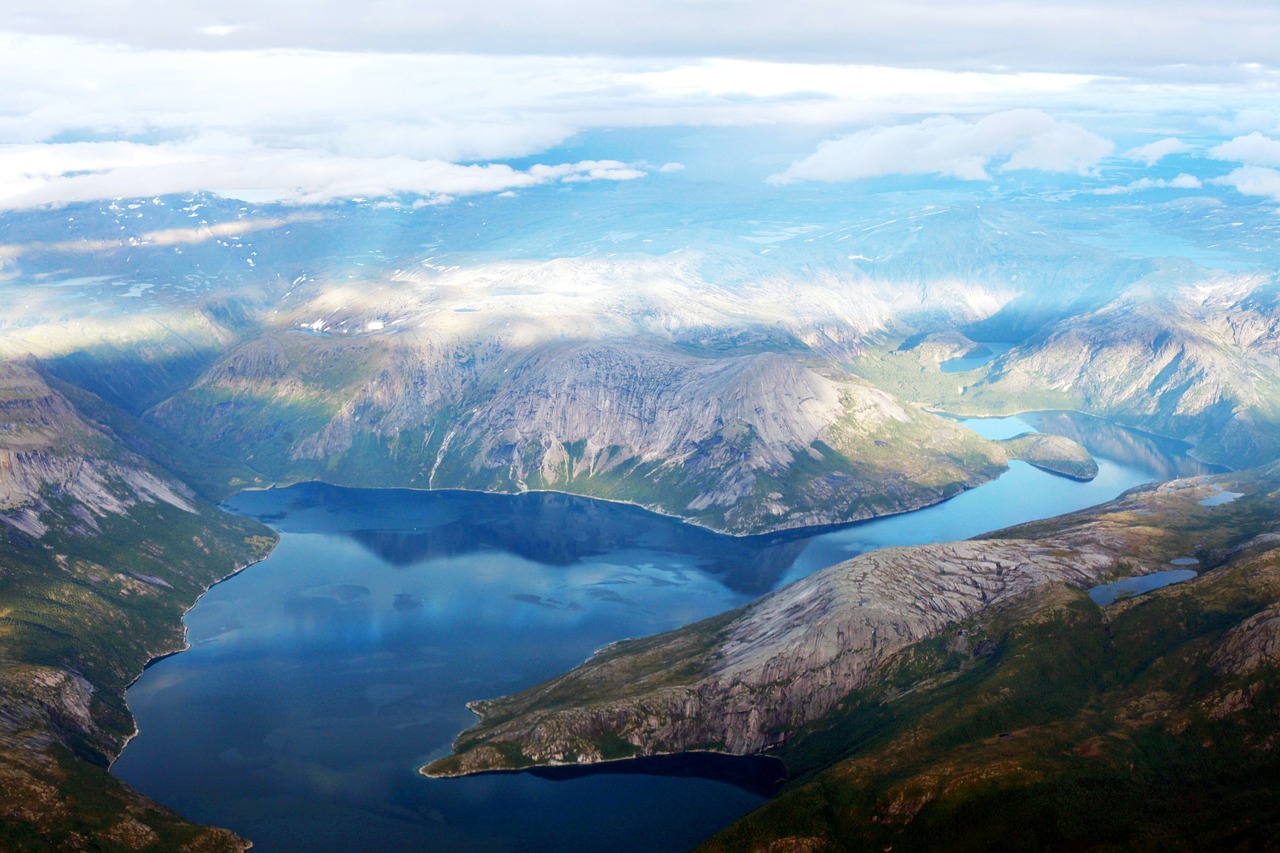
pixel 320 679
pixel 988 352
pixel 1110 593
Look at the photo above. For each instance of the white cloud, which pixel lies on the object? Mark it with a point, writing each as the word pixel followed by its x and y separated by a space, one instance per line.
pixel 977 34
pixel 32 175
pixel 197 74
pixel 667 168
pixel 1254 180
pixel 1181 182
pixel 1011 140
pixel 1154 152
pixel 1243 121
pixel 1254 149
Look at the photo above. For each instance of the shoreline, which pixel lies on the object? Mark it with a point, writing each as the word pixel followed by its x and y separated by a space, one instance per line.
pixel 803 530
pixel 422 769
pixel 156 658
pixel 1190 447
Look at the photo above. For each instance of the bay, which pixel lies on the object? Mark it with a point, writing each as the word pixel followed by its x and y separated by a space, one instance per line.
pixel 319 680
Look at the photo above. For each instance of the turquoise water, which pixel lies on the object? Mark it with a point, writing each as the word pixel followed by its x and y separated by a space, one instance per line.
pixel 319 680
pixel 962 363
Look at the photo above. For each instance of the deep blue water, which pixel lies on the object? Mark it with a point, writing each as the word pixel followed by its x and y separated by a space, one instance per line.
pixel 319 680
pixel 1109 593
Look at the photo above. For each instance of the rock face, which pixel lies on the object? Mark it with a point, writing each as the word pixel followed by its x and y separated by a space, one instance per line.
pixel 1053 453
pixel 48 453
pixel 101 552
pixel 743 683
pixel 1181 351
pixel 743 443
pixel 1250 646
pixel 748 680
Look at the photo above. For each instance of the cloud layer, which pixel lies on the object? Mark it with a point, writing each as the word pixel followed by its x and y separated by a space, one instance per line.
pixel 46 174
pixel 315 99
pixel 1054 35
pixel 1011 141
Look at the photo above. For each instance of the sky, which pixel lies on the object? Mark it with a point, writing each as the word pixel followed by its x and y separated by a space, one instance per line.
pixel 286 100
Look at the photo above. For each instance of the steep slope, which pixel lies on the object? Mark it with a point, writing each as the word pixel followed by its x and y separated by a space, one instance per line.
pixel 621 380
pixel 1150 724
pixel 100 554
pixel 758 677
pixel 1182 351
pixel 1185 355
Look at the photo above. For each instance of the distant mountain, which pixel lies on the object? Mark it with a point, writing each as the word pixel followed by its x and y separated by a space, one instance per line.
pixel 616 380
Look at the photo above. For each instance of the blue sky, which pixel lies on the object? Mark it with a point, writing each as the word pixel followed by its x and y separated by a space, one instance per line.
pixel 319 100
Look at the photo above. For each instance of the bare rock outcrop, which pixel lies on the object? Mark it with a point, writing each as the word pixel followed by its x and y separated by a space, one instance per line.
pixel 743 682
pixel 50 455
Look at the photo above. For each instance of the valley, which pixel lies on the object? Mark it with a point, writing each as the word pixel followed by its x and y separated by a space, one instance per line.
pixel 755 380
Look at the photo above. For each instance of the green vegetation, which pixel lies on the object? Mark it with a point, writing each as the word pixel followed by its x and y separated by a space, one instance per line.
pixel 1083 728
pixel 83 608
pixel 1053 453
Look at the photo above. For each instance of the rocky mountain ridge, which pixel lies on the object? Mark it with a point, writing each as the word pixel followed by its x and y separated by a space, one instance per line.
pixel 750 680
pixel 101 552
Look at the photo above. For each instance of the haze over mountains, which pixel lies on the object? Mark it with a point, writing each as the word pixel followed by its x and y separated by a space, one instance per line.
pixel 750 368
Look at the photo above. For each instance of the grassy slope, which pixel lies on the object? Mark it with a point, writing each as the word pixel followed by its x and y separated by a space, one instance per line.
pixel 80 615
pixel 1075 728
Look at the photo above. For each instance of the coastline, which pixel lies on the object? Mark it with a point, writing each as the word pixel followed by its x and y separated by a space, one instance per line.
pixel 159 656
pixel 805 529
pixel 422 770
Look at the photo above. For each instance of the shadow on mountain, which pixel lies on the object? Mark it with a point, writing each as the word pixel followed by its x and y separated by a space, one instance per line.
pixel 761 775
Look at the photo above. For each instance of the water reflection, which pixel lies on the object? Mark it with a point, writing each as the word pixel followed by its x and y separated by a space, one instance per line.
pixel 404 528
pixel 1164 458
pixel 761 775
pixel 318 681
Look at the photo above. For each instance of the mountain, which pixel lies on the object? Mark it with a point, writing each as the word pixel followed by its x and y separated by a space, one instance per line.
pixel 906 689
pixel 101 552
pixel 1182 351
pixel 628 379
pixel 748 364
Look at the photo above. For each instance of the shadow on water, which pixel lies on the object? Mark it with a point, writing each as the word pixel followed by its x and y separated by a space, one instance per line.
pixel 759 774
pixel 419 526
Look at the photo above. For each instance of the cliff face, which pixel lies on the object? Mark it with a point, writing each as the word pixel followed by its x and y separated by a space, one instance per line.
pixel 50 454
pixel 101 552
pixel 743 443
pixel 747 684
pixel 750 680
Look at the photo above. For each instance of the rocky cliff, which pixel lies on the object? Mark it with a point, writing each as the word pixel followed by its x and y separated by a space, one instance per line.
pixel 509 398
pixel 751 679
pixel 50 455
pixel 101 552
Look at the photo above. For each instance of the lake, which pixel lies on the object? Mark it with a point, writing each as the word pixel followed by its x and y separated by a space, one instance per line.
pixel 320 679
